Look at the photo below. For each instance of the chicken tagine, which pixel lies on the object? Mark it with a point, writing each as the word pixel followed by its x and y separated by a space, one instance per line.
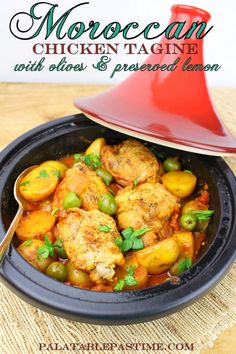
pixel 113 218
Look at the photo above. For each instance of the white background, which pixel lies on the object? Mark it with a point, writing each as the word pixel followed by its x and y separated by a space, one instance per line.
pixel 220 43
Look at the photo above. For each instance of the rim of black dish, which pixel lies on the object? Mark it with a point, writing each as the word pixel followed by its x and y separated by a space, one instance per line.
pixel 122 307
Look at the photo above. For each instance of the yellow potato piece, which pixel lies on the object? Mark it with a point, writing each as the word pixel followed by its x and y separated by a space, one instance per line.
pixel 193 205
pixel 186 242
pixel 179 183
pixel 35 225
pixel 57 165
pixel 96 146
pixel 39 183
pixel 28 250
pixel 158 258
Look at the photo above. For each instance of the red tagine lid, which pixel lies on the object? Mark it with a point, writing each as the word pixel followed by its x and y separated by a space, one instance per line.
pixel 170 107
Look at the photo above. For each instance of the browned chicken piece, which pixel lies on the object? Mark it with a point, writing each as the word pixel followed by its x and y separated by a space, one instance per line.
pixel 89 248
pixel 83 181
pixel 130 161
pixel 147 205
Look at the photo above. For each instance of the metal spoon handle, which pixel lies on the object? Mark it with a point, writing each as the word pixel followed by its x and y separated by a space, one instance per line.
pixel 5 243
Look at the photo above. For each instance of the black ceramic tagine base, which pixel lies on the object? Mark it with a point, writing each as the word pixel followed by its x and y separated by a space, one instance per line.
pixel 73 134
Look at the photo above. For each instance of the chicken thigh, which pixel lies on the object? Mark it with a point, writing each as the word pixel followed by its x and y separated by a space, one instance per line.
pixel 83 181
pixel 130 161
pixel 89 248
pixel 148 205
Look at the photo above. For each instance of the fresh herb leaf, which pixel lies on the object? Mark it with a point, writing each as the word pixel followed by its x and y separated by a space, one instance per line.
pixel 43 174
pixel 137 244
pixel 130 270
pixel 119 285
pixel 49 245
pixel 131 240
pixel 56 173
pixel 104 228
pixel 92 160
pixel 77 157
pixel 202 214
pixel 135 182
pixel 43 252
pixel 188 171
pixel 26 183
pixel 188 263
pixel 54 211
pixel 28 242
pixel 126 245
pixel 118 241
pixel 127 232
pixel 141 231
pixel 181 266
pixel 58 244
pixel 129 280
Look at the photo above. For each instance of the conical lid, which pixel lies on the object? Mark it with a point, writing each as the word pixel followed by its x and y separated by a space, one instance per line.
pixel 170 107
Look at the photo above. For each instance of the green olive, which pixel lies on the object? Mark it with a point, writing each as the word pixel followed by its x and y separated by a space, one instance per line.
pixel 172 164
pixel 77 277
pixel 105 175
pixel 188 222
pixel 57 270
pixel 107 204
pixel 60 251
pixel 71 200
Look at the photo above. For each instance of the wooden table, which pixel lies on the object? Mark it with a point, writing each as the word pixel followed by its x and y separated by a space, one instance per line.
pixel 24 106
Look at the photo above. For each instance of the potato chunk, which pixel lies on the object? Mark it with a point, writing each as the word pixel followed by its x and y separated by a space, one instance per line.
pixel 35 225
pixel 28 250
pixel 186 243
pixel 158 258
pixel 57 165
pixel 39 183
pixel 179 183
pixel 96 146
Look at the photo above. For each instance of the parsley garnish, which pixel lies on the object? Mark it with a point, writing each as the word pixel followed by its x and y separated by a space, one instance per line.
pixel 135 182
pixel 28 242
pixel 104 228
pixel 58 244
pixel 77 157
pixel 24 183
pixel 184 264
pixel 43 174
pixel 48 248
pixel 91 160
pixel 131 240
pixel 202 214
pixel 128 280
pixel 54 211
pixel 188 171
pixel 118 241
pixel 188 263
pixel 56 173
pixel 119 285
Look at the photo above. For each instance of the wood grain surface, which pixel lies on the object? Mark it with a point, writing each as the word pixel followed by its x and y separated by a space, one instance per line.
pixel 24 106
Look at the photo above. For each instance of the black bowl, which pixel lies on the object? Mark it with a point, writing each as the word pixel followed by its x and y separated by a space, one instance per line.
pixel 72 134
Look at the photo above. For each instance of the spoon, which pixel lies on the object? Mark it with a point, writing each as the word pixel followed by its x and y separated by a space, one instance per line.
pixel 5 243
